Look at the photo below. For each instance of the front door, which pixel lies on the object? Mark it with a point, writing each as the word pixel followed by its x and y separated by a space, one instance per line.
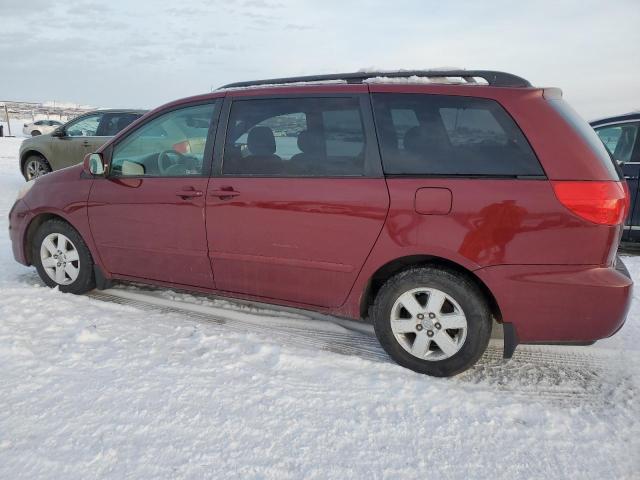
pixel 147 215
pixel 622 141
pixel 79 139
pixel 299 199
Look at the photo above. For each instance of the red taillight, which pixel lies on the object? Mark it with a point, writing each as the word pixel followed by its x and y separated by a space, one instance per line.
pixel 182 147
pixel 604 203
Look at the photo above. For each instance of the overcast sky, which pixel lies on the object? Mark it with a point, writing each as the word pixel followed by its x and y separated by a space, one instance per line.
pixel 125 53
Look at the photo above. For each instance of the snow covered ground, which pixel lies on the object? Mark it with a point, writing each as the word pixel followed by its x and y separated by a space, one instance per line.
pixel 150 383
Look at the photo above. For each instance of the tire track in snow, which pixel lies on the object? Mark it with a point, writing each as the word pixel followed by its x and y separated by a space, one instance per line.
pixel 577 375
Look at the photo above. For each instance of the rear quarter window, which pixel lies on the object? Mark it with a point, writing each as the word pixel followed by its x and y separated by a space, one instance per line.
pixel 588 134
pixel 450 135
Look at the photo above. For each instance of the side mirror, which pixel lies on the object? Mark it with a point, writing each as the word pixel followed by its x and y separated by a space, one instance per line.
pixel 59 132
pixel 93 164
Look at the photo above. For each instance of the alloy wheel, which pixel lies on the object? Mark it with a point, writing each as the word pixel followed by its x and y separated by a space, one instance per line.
pixel 35 169
pixel 429 324
pixel 60 258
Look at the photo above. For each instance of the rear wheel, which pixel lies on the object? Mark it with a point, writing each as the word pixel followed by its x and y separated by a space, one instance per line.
pixel 35 133
pixel 62 258
pixel 433 321
pixel 35 166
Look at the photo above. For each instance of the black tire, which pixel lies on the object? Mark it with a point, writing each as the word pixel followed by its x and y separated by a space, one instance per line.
pixel 464 291
pixel 35 166
pixel 85 280
pixel 35 133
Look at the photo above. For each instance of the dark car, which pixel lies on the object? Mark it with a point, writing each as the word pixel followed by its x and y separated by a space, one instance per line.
pixel 620 135
pixel 69 143
pixel 430 209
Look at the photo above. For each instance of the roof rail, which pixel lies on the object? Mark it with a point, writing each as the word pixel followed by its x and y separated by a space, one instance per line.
pixel 493 78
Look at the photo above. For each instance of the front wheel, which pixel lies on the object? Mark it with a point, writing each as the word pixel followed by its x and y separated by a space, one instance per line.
pixel 433 321
pixel 35 166
pixel 62 258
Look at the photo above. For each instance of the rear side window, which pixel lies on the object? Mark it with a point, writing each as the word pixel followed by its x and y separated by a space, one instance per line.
pixel 295 137
pixel 112 123
pixel 450 135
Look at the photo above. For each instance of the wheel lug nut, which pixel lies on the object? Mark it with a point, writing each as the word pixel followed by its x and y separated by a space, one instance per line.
pixel 430 333
pixel 420 316
pixel 432 315
pixel 418 327
pixel 438 326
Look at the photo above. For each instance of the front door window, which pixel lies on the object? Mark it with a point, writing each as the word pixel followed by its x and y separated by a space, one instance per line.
pixel 171 145
pixel 84 127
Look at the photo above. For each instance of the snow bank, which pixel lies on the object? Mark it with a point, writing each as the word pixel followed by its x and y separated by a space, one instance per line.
pixel 96 389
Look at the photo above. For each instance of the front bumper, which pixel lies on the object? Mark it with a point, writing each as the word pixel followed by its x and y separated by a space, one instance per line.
pixel 18 222
pixel 560 304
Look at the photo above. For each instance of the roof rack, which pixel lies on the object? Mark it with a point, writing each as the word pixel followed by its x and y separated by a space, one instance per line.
pixel 493 78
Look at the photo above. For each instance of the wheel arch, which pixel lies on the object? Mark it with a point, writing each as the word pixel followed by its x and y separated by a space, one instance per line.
pixel 27 153
pixel 393 267
pixel 33 226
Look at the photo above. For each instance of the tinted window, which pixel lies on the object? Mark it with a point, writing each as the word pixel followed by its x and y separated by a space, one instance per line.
pixel 619 139
pixel 450 135
pixel 295 137
pixel 112 123
pixel 84 127
pixel 171 145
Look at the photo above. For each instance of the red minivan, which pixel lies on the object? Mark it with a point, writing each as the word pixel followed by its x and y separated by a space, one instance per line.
pixel 430 203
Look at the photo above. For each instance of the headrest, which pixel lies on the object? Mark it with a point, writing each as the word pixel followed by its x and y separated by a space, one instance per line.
pixel 413 140
pixel 426 137
pixel 122 122
pixel 261 141
pixel 309 142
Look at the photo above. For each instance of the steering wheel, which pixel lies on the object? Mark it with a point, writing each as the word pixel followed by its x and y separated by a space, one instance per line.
pixel 168 159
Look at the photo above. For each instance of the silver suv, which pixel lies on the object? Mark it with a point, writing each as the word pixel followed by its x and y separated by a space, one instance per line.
pixel 69 143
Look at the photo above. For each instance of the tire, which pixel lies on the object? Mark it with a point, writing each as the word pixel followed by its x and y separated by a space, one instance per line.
pixel 35 166
pixel 72 272
pixel 35 133
pixel 463 306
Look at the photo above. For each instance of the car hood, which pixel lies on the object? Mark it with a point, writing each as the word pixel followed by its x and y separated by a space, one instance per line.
pixel 34 142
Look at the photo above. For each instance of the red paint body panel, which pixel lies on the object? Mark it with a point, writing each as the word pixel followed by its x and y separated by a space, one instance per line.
pixel 558 303
pixel 297 239
pixel 142 228
pixel 491 223
pixel 63 194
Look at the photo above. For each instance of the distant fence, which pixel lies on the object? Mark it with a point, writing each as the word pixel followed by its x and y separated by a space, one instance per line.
pixel 37 111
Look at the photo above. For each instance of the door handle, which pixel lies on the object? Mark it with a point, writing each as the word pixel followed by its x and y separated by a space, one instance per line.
pixel 224 193
pixel 189 193
pixel 86 143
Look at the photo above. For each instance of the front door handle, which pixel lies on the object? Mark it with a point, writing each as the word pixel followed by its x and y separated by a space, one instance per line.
pixel 224 193
pixel 86 144
pixel 189 193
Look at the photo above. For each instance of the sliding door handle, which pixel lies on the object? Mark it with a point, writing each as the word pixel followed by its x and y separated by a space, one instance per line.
pixel 189 193
pixel 224 193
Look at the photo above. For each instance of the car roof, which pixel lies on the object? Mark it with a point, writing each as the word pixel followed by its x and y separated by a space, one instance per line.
pixel 119 110
pixel 626 117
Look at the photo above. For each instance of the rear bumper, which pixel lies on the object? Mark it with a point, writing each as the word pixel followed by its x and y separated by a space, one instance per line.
pixel 560 304
pixel 18 221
